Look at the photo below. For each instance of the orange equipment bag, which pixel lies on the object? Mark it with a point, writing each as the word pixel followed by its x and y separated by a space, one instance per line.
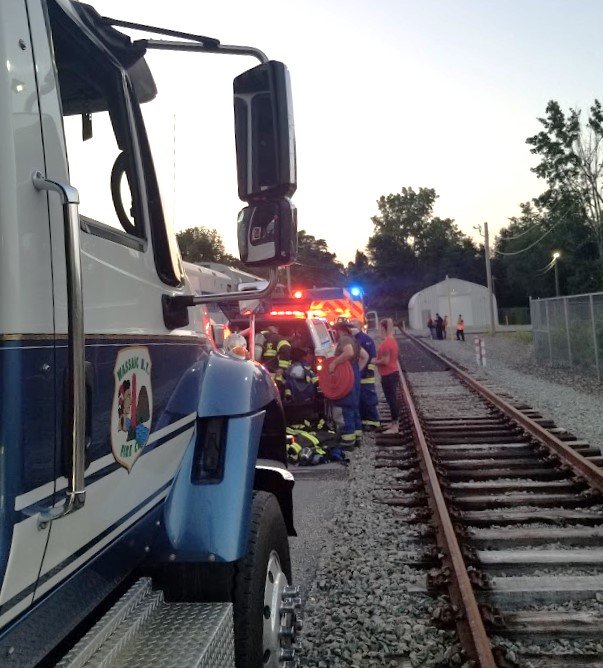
pixel 338 384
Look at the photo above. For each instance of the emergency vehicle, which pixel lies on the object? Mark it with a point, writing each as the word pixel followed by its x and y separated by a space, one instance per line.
pixel 333 304
pixel 145 501
pixel 293 320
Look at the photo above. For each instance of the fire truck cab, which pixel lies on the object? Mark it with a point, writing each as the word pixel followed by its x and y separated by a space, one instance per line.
pixel 145 500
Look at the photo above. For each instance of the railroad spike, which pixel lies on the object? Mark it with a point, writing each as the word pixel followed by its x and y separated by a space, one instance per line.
pixel 438 579
pixel 446 615
pixel 505 658
pixel 455 513
pixel 492 616
pixel 461 531
pixel 590 493
pixel 469 553
pixel 478 579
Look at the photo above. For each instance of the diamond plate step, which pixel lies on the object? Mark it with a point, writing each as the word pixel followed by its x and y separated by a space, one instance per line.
pixel 142 630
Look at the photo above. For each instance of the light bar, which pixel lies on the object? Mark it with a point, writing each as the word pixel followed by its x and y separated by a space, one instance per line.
pixel 291 314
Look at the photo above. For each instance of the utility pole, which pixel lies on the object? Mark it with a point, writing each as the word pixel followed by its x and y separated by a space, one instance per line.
pixel 449 328
pixel 489 279
pixel 556 256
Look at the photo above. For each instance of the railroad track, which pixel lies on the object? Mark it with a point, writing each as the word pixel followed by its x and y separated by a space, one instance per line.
pixel 516 506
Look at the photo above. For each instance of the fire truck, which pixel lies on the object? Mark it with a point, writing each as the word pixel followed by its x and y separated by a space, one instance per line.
pixel 334 304
pixel 145 500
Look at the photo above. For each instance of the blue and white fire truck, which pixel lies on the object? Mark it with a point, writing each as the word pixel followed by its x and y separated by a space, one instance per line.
pixel 145 501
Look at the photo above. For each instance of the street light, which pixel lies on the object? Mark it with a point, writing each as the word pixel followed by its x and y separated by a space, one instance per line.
pixel 556 256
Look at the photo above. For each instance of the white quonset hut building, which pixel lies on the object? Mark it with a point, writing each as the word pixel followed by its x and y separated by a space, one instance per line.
pixel 452 297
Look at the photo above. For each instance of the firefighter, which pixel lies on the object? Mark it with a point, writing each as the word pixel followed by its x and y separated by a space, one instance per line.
pixel 368 394
pixel 276 355
pixel 300 379
pixel 349 350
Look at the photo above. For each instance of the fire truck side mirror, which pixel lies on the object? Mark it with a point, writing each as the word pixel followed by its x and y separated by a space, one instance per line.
pixel 264 133
pixel 267 233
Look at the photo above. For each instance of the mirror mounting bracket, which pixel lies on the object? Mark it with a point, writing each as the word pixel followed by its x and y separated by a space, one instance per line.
pixel 200 43
pixel 175 306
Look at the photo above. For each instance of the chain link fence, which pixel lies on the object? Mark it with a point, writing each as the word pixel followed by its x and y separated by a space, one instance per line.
pixel 568 331
pixel 515 315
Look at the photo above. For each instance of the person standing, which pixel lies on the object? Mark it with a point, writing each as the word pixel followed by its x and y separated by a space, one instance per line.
pixel 460 329
pixel 387 363
pixel 368 394
pixel 348 350
pixel 276 355
pixel 439 325
pixel 431 327
pixel 444 326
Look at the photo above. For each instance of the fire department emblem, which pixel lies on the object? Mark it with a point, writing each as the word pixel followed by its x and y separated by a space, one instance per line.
pixel 132 411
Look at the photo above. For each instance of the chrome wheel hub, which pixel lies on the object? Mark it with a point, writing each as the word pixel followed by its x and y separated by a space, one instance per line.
pixel 281 618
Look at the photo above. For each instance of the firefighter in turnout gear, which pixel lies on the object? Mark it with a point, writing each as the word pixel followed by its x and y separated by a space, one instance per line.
pixel 300 380
pixel 276 355
pixel 348 350
pixel 368 394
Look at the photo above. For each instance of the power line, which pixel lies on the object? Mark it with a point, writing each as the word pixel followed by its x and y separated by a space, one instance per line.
pixel 522 234
pixel 523 250
pixel 547 268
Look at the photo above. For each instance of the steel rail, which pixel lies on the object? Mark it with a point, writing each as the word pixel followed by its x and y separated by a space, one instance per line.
pixel 592 473
pixel 472 633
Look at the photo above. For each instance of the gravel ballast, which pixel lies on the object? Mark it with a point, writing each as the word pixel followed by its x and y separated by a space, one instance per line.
pixel 366 607
pixel 573 402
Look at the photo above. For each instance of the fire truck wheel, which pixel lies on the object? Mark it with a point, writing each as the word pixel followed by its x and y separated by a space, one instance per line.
pixel 265 605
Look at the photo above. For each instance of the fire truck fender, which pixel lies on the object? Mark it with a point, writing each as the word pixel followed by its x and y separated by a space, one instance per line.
pixel 206 517
pixel 233 386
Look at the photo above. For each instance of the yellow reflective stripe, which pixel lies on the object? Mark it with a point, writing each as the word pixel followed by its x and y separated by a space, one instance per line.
pixel 313 379
pixel 270 352
pixel 359 432
pixel 372 367
pixel 305 434
pixel 284 364
pixel 348 437
pixel 367 381
pixel 282 343
pixel 372 423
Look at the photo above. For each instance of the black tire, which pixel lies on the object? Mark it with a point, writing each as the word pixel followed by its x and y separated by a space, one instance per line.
pixel 267 534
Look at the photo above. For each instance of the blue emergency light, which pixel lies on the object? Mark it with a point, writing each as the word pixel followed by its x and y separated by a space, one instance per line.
pixel 355 291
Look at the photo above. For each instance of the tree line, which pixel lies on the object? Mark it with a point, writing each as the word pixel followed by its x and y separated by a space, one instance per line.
pixel 410 248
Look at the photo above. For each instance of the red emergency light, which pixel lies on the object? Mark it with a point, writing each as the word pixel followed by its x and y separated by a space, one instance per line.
pixel 290 314
pixel 298 294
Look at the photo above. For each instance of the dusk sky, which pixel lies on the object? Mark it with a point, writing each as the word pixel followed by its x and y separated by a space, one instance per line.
pixel 387 93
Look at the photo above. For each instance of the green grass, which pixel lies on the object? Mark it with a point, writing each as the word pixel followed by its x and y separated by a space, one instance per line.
pixel 525 337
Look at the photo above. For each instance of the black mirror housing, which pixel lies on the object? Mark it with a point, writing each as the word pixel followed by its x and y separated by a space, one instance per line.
pixel 265 133
pixel 267 234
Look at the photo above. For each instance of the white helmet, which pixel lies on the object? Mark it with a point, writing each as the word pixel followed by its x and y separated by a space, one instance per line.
pixel 297 371
pixel 234 340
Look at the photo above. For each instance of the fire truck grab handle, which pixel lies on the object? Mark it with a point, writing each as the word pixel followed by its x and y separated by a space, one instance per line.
pixel 76 371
